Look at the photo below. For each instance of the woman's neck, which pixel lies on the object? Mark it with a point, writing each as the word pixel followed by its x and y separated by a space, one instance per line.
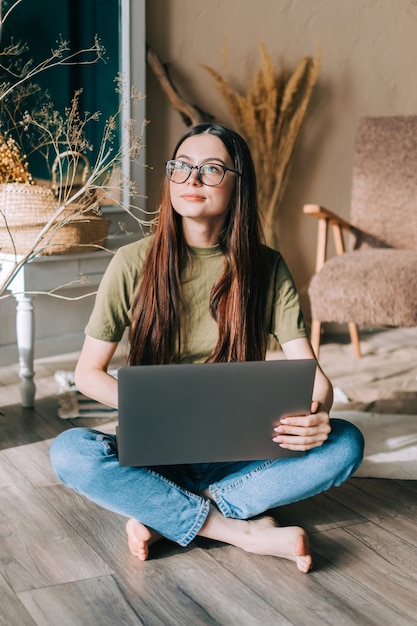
pixel 201 235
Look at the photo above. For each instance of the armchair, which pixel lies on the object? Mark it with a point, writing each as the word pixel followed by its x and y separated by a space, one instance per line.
pixel 372 282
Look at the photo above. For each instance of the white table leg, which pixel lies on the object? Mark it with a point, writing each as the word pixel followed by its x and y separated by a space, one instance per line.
pixel 25 329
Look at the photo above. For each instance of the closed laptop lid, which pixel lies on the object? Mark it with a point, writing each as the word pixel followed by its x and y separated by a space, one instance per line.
pixel 208 412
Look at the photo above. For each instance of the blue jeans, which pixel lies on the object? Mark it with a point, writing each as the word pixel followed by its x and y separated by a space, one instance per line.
pixel 169 498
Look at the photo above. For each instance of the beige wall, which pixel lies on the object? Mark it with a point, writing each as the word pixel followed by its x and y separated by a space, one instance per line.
pixel 369 52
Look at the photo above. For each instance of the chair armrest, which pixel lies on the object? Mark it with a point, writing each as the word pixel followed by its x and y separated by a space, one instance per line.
pixel 327 218
pixel 320 213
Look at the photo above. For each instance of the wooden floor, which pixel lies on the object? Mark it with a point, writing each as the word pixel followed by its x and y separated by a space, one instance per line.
pixel 64 561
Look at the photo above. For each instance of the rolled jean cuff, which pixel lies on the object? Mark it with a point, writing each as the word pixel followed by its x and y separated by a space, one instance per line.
pixel 223 507
pixel 199 522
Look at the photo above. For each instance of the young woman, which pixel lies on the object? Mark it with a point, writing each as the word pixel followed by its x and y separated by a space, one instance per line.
pixel 203 287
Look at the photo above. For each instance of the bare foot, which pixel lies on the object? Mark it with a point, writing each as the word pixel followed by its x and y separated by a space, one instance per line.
pixel 139 538
pixel 264 536
pixel 261 536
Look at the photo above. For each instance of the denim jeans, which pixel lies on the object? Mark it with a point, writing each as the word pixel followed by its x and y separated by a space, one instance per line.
pixel 169 498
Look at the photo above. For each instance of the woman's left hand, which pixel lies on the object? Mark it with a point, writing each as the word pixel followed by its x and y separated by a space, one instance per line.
pixel 304 432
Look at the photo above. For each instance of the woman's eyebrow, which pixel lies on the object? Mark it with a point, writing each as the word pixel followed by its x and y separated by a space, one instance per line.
pixel 208 160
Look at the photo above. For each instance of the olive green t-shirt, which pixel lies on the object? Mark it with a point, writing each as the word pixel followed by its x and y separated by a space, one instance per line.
pixel 112 310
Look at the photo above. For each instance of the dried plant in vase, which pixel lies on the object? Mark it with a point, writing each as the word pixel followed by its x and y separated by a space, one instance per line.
pixel 270 116
pixel 13 166
pixel 49 213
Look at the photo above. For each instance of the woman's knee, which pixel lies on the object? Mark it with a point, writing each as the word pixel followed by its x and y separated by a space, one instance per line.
pixel 77 451
pixel 350 434
pixel 349 441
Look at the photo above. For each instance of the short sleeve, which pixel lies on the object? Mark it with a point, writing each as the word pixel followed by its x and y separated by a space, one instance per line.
pixel 285 317
pixel 111 311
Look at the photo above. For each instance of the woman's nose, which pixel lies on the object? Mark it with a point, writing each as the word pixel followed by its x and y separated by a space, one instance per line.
pixel 194 179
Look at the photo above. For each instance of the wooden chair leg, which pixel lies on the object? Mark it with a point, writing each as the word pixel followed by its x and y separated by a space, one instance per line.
pixel 315 336
pixel 354 337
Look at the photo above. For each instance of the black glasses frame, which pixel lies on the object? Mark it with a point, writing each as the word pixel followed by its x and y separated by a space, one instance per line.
pixel 198 168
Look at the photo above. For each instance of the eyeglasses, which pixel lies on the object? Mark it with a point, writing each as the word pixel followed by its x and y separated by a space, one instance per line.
pixel 210 174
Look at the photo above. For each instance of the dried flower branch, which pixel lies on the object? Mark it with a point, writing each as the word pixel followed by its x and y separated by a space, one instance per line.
pixel 4 17
pixel 29 119
pixel 73 201
pixel 270 116
pixel 19 71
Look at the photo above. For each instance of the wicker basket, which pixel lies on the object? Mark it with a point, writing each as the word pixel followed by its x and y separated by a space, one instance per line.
pixel 24 211
pixel 81 234
pixel 22 204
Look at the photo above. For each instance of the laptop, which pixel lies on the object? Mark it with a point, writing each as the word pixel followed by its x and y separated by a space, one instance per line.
pixel 208 412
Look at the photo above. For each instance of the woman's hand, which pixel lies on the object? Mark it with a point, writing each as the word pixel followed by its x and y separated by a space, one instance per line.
pixel 304 432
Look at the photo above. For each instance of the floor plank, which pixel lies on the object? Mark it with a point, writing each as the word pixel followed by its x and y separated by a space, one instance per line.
pixel 32 461
pixel 89 602
pixel 368 497
pixel 393 549
pixel 12 610
pixel 20 426
pixel 389 581
pixel 191 587
pixel 38 546
pixel 284 587
pixel 324 513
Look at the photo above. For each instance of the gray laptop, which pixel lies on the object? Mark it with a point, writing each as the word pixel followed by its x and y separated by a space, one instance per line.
pixel 207 412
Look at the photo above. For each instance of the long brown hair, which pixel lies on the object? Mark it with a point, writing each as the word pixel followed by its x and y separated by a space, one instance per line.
pixel 236 300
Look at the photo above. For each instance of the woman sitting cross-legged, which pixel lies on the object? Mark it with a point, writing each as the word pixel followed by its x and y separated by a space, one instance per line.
pixel 204 288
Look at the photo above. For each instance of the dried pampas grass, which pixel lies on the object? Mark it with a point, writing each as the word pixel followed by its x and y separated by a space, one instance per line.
pixel 270 116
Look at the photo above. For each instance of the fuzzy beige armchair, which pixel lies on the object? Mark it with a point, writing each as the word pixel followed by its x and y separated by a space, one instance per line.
pixel 374 283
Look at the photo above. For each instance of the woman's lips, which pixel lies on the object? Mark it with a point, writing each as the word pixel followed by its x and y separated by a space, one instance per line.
pixel 192 197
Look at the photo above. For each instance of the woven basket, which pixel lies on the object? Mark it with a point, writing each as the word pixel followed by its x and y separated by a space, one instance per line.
pixel 81 234
pixel 24 211
pixel 24 204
